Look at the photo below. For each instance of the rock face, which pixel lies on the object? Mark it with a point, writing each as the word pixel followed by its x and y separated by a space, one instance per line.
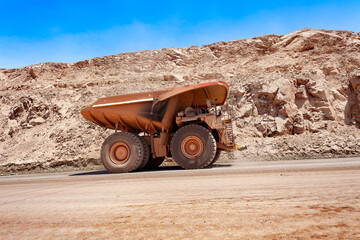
pixel 293 96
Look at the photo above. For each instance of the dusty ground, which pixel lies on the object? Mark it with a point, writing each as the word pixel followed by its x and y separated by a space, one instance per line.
pixel 249 200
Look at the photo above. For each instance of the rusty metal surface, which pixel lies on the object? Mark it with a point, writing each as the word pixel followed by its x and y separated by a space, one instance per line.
pixel 192 147
pixel 155 111
pixel 119 153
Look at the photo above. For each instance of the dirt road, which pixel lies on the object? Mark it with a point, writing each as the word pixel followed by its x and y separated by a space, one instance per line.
pixel 273 200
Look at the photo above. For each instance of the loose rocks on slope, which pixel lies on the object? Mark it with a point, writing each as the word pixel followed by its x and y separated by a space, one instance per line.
pixel 294 96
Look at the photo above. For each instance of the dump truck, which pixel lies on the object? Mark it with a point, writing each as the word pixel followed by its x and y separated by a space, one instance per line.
pixel 185 123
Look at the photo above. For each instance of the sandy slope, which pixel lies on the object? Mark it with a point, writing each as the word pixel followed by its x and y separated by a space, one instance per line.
pixel 295 96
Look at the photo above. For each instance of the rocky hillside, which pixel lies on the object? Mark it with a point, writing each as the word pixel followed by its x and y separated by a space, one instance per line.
pixel 294 96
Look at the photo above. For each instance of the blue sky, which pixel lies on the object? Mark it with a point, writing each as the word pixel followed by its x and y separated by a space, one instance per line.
pixel 34 31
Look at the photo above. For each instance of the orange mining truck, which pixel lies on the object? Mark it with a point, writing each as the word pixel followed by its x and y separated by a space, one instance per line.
pixel 185 123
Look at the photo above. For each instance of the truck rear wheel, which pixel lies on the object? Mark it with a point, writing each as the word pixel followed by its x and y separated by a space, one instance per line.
pixel 193 146
pixel 146 153
pixel 154 162
pixel 122 152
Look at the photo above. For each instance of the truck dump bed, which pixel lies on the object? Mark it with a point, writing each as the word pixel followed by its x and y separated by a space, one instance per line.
pixel 155 111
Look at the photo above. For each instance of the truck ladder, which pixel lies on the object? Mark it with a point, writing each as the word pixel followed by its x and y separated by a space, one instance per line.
pixel 229 134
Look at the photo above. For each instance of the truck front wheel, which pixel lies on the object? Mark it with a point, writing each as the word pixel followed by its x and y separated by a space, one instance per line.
pixel 217 156
pixel 122 152
pixel 193 146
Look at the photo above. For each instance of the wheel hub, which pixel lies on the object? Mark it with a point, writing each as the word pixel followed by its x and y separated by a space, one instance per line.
pixel 119 153
pixel 192 147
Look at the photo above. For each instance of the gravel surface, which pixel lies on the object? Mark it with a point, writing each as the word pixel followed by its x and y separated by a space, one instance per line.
pixel 308 199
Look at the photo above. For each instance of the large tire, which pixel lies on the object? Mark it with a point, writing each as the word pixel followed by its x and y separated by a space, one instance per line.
pixel 146 153
pixel 193 146
pixel 217 156
pixel 154 162
pixel 122 152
